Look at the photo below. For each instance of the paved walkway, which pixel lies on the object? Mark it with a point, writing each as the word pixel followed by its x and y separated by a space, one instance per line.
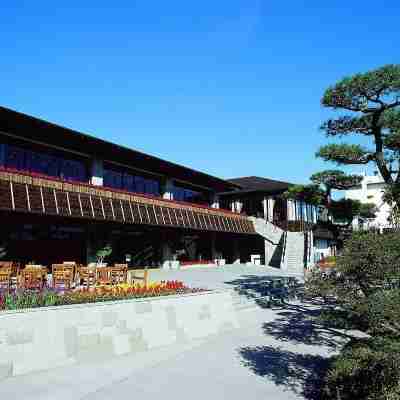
pixel 219 277
pixel 275 354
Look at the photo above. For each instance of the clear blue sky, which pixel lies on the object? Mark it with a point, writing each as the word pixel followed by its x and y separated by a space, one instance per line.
pixel 229 87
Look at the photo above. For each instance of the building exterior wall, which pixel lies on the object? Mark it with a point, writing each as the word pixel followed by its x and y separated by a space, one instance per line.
pixel 371 190
pixel 83 196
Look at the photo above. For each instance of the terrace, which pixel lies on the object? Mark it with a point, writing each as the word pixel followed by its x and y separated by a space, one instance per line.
pixel 38 194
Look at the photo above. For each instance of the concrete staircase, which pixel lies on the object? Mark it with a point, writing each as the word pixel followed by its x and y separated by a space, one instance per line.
pixel 292 259
pixel 267 230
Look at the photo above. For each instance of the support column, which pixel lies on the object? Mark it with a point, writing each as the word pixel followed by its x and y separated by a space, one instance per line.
pixel 290 210
pixel 214 253
pixel 214 201
pixel 271 204
pixel 310 262
pixel 97 173
pixel 237 206
pixel 167 256
pixel 168 189
pixel 265 208
pixel 236 251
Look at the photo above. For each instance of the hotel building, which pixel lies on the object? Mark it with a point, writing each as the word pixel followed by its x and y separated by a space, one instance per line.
pixel 65 194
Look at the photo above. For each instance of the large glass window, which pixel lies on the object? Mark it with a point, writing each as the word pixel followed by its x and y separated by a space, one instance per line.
pixel 31 161
pixel 131 183
pixel 188 195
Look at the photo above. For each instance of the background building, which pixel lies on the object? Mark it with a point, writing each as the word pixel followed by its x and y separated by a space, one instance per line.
pixel 371 190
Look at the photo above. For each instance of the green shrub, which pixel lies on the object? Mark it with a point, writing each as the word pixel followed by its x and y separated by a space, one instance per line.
pixel 366 369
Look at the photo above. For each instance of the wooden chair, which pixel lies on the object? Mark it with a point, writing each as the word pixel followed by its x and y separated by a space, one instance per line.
pixel 33 277
pixel 16 267
pixel 87 276
pixel 144 278
pixel 6 264
pixel 119 274
pixel 63 275
pixel 103 276
pixel 5 278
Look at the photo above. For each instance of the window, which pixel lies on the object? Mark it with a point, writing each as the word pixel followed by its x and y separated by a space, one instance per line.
pixel 112 179
pixel 188 195
pixel 130 183
pixel 27 160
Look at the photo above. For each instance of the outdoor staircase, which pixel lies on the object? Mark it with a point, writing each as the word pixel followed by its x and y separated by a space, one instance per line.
pixel 268 230
pixel 292 254
pixel 293 257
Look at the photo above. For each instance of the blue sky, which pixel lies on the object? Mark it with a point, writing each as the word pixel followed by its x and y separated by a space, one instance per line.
pixel 231 88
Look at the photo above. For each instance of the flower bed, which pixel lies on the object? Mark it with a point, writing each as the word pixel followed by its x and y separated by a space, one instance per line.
pixel 202 262
pixel 19 299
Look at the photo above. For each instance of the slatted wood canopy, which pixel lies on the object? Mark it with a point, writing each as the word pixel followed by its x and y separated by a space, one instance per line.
pixel 27 193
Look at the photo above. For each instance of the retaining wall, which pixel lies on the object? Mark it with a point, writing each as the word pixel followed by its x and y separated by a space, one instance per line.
pixel 45 338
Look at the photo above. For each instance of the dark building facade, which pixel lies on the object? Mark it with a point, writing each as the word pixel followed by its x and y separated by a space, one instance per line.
pixel 64 195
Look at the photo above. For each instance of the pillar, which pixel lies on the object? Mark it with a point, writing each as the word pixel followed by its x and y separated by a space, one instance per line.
pixel 214 201
pixel 214 253
pixel 97 173
pixel 167 256
pixel 265 208
pixel 270 207
pixel 291 215
pixel 236 252
pixel 310 262
pixel 168 189
pixel 237 206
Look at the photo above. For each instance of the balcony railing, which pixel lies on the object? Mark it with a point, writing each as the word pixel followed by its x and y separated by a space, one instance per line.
pixel 37 194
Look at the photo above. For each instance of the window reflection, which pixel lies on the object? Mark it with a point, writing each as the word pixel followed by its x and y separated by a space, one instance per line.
pixel 27 160
pixel 131 183
pixel 188 195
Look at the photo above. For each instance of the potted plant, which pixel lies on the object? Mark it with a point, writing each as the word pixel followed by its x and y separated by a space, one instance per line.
pixel 102 254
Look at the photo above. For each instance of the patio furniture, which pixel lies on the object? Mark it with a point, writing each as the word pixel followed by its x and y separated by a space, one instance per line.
pixel 104 276
pixel 6 264
pixel 63 275
pixel 119 274
pixel 5 278
pixel 86 276
pixel 33 277
pixel 144 277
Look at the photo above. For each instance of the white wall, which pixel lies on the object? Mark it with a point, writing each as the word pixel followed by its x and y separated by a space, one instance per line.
pixel 371 190
pixel 49 337
pixel 322 249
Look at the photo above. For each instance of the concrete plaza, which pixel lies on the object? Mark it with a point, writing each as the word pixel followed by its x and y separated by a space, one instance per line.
pixel 275 353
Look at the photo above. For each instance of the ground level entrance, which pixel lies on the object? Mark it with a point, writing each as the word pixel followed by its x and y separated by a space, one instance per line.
pixel 47 240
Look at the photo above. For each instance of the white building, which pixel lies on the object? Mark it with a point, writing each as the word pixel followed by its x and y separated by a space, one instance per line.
pixel 371 190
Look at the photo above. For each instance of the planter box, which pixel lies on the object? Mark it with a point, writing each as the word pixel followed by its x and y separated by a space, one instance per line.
pixel 49 337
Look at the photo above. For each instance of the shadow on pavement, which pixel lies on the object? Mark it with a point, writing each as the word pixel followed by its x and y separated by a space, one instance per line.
pixel 299 373
pixel 299 324
pixel 268 290
pixel 302 371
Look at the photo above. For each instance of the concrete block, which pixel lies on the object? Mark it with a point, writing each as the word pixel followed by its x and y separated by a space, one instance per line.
pixel 109 318
pixel 19 337
pixel 143 307
pixel 6 370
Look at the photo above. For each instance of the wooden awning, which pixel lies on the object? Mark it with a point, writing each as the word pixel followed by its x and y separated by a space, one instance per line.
pixel 28 193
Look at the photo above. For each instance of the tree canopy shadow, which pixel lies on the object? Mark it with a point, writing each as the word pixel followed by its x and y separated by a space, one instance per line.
pixel 266 289
pixel 300 324
pixel 299 373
